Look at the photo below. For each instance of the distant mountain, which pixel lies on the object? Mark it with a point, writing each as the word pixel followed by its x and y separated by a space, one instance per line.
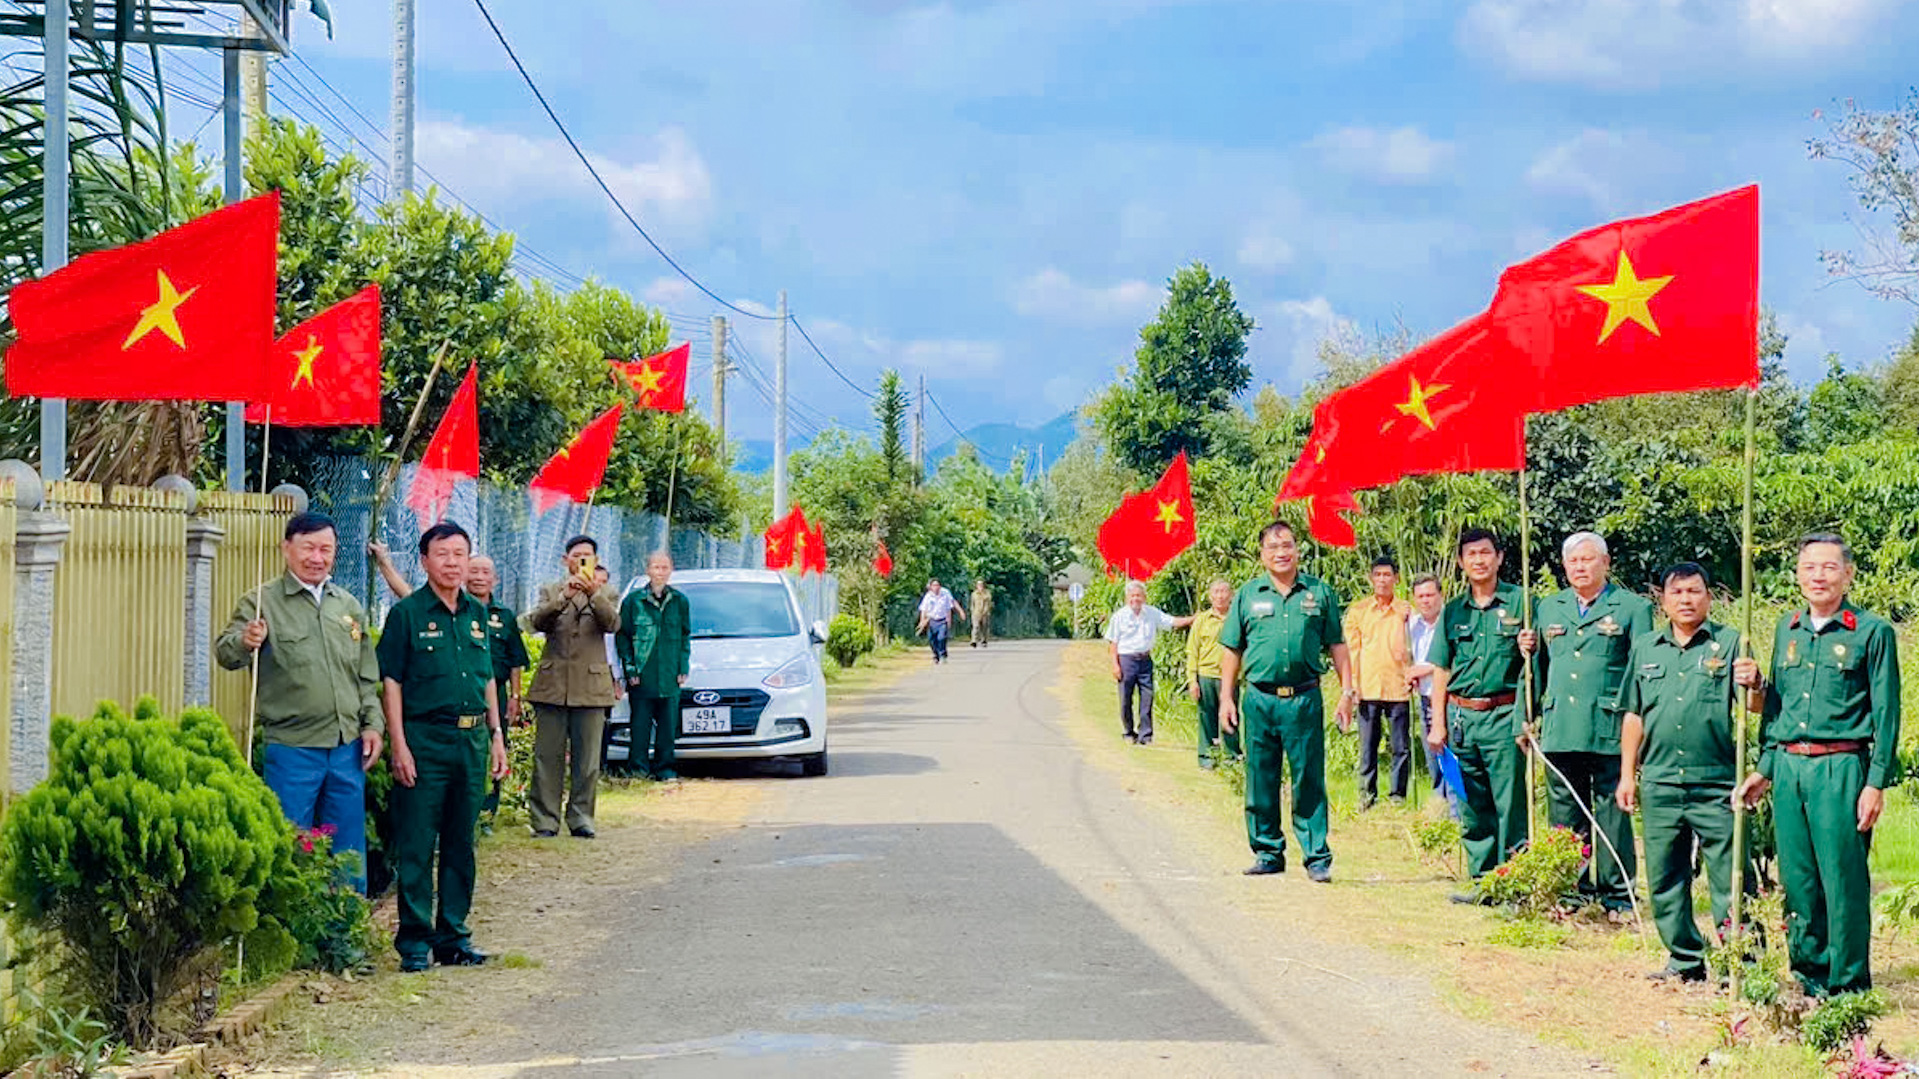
pixel 998 442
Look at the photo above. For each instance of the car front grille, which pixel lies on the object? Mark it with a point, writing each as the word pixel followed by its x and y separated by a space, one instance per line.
pixel 747 705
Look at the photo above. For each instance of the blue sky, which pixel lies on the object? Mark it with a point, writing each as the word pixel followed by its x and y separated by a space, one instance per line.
pixel 993 194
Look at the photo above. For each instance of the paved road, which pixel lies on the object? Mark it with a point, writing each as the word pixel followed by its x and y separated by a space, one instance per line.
pixel 965 895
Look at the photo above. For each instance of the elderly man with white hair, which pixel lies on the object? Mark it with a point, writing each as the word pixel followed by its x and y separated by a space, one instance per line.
pixel 1130 634
pixel 1584 640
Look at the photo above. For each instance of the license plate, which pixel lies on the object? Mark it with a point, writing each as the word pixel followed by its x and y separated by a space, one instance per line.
pixel 715 720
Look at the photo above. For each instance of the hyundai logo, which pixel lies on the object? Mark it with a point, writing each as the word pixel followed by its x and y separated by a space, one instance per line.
pixel 706 696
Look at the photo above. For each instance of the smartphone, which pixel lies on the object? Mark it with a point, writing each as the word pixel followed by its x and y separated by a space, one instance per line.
pixel 587 566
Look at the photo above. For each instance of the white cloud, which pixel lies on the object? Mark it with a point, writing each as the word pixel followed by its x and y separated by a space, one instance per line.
pixel 1605 168
pixel 1263 250
pixel 1285 344
pixel 669 292
pixel 1396 155
pixel 1053 294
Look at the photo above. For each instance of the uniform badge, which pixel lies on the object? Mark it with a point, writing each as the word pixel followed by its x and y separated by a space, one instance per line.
pixel 1714 645
pixel 1839 651
pixel 1500 614
pixel 494 621
pixel 1713 665
pixel 432 625
pixel 352 627
pixel 478 633
pixel 1792 651
pixel 1609 627
pixel 1555 630
pixel 1308 604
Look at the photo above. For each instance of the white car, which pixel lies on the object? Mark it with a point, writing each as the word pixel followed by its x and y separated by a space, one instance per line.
pixel 756 688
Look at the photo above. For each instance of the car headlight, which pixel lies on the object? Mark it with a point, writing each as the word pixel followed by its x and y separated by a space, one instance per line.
pixel 797 672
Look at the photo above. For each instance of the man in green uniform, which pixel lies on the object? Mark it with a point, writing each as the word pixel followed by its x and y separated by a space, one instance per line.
pixel 655 646
pixel 1587 632
pixel 1677 764
pixel 1202 674
pixel 1477 667
pixel 443 718
pixel 1276 632
pixel 1828 751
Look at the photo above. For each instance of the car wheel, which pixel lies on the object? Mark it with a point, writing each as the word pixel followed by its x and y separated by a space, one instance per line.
pixel 813 764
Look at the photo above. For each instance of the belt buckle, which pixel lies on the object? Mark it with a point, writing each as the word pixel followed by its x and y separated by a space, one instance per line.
pixel 1282 692
pixel 467 723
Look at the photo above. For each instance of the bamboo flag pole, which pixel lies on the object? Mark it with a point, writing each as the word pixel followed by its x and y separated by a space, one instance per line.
pixel 1738 928
pixel 259 593
pixel 1526 613
pixel 399 454
pixel 672 474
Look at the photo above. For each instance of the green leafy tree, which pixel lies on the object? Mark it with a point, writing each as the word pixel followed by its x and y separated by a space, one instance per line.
pixel 1845 406
pixel 1190 364
pixel 1901 383
pixel 889 409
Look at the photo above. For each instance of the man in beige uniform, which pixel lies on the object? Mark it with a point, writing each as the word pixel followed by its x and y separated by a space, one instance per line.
pixel 572 690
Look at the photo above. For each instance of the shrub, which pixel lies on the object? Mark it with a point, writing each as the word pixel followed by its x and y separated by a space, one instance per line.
pixel 149 842
pixel 847 639
pixel 329 923
pixel 1839 1019
pixel 1534 879
pixel 1437 840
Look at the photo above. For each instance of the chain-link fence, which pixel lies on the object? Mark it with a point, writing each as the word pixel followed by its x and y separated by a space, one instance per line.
pixel 525 547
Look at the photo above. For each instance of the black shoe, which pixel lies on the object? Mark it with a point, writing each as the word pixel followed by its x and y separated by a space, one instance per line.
pixel 464 955
pixel 1690 974
pixel 1319 874
pixel 544 833
pixel 1131 737
pixel 584 832
pixel 1146 739
pixel 1265 867
pixel 1367 801
pixel 415 964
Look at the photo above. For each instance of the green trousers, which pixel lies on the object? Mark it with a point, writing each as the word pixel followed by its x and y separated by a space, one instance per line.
pixel 1492 815
pixel 1285 733
pixel 1594 779
pixel 1676 816
pixel 1209 722
pixel 439 811
pixel 655 731
pixel 1822 869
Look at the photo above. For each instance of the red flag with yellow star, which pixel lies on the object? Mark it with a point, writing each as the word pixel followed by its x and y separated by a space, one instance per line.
pixel 786 540
pixel 452 455
pixel 1151 528
pixel 1658 304
pixel 185 316
pixel 575 472
pixel 326 370
pixel 659 380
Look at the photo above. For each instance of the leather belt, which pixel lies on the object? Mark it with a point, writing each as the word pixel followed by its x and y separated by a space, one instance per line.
pixel 465 723
pixel 1285 692
pixel 1823 749
pixel 1483 704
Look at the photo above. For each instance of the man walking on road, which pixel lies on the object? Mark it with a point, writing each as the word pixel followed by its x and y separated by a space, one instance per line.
pixel 1202 675
pixel 1588 630
pixel 1829 749
pixel 319 693
pixel 937 608
pixel 1130 634
pixel 572 691
pixel 656 651
pixel 982 613
pixel 1375 631
pixel 1276 632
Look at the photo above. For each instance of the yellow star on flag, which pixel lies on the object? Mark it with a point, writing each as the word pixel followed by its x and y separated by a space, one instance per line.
pixel 306 356
pixel 647 381
pixel 773 544
pixel 1169 514
pixel 1416 397
pixel 1625 298
pixel 160 315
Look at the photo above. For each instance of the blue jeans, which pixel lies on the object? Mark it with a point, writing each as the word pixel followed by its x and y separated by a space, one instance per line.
pixel 936 636
pixel 323 786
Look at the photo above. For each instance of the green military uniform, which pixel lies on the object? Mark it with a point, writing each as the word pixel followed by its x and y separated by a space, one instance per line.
pixel 1583 657
pixel 1478 647
pixel 1834 687
pixel 655 647
pixel 1282 638
pixel 443 662
pixel 1684 697
pixel 509 655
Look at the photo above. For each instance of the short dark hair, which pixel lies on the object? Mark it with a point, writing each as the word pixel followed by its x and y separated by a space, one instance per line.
pixel 1428 578
pixel 577 540
pixel 1387 561
pixel 301 524
pixel 1685 571
pixel 443 530
pixel 1470 536
pixel 1807 540
pixel 1275 528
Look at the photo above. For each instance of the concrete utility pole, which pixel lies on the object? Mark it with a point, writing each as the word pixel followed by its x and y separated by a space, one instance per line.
pixel 779 420
pixel 719 378
pixel 53 219
pixel 919 433
pixel 253 79
pixel 401 180
pixel 233 190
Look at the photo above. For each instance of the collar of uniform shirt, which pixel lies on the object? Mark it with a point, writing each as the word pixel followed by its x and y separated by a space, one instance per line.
pixel 317 591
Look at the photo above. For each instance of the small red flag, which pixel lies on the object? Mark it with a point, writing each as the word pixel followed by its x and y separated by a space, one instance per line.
pixel 785 538
pixel 659 380
pixel 1151 528
pixel 573 473
pixel 813 551
pixel 883 561
pixel 1659 304
pixel 452 455
pixel 185 316
pixel 327 369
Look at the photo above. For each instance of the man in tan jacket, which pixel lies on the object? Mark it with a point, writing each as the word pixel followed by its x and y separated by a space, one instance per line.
pixel 571 691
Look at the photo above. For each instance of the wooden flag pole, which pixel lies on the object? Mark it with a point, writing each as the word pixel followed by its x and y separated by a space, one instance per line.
pixel 1737 930
pixel 1526 684
pixel 399 454
pixel 259 593
pixel 672 475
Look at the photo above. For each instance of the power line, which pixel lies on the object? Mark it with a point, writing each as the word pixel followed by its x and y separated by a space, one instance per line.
pixel 808 338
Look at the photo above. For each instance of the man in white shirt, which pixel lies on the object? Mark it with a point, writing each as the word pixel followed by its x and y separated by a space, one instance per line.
pixel 1422 626
pixel 1130 634
pixel 937 608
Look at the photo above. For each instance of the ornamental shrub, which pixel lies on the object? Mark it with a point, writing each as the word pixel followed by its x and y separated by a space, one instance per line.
pixel 848 638
pixel 1535 879
pixel 329 923
pixel 149 843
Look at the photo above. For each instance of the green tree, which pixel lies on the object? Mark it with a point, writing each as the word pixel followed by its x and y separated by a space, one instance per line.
pixel 1190 364
pixel 889 409
pixel 1845 406
pixel 1901 383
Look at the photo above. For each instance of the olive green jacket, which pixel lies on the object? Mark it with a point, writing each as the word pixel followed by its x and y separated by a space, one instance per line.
pixel 573 670
pixel 1836 684
pixel 655 645
pixel 319 678
pixel 1582 664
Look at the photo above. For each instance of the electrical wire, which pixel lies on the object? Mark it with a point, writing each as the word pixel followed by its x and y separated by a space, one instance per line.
pixel 830 365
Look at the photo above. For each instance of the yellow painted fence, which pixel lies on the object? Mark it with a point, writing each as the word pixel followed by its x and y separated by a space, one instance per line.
pixel 249 554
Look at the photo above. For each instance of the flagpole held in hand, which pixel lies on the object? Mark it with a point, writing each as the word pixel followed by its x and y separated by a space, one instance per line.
pixel 1737 930
pixel 672 474
pixel 1526 613
pixel 399 454
pixel 259 592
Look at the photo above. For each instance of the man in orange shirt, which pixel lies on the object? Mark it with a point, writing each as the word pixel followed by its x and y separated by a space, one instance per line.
pixel 1376 635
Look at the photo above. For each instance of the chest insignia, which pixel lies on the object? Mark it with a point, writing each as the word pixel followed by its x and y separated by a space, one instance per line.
pixel 1792 651
pixel 1609 627
pixel 1308 604
pixel 1263 608
pixel 1714 665
pixel 1839 651
pixel 494 621
pixel 478 633
pixel 352 626
pixel 1555 630
pixel 1500 614
pixel 1714 645
pixel 433 625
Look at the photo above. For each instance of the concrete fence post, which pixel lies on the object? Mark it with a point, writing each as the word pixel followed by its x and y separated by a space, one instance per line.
pixel 203 543
pixel 39 539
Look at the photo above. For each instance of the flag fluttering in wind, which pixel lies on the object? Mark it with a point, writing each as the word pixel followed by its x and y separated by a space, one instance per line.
pixel 185 316
pixel 452 455
pixel 575 472
pixel 786 538
pixel 883 561
pixel 326 370
pixel 812 555
pixel 1151 528
pixel 659 380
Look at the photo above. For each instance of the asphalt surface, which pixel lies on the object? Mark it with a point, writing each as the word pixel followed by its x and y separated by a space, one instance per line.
pixel 965 895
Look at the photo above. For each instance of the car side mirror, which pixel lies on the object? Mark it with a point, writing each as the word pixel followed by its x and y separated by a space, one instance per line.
pixel 818 633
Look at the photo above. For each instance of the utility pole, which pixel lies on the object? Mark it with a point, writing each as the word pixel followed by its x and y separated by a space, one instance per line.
pixel 233 191
pixel 919 434
pixel 719 379
pixel 401 180
pixel 53 218
pixel 253 79
pixel 779 420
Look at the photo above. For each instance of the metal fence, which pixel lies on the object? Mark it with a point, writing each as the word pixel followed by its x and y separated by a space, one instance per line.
pixel 120 595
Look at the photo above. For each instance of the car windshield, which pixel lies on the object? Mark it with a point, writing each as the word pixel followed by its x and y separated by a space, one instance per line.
pixel 739 609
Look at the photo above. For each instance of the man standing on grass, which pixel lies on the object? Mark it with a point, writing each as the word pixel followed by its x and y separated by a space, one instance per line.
pixel 1202 675
pixel 1276 632
pixel 1477 666
pixel 1375 631
pixel 1829 748
pixel 937 608
pixel 1676 763
pixel 1130 634
pixel 1422 627
pixel 656 651
pixel 1588 630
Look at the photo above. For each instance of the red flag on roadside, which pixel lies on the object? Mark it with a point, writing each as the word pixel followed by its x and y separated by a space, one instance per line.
pixel 785 538
pixel 326 370
pixel 185 316
pixel 659 380
pixel 883 561
pixel 1151 528
pixel 573 473
pixel 452 455
pixel 813 551
pixel 1660 304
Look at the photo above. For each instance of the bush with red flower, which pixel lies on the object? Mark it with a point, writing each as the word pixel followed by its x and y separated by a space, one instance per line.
pixel 1534 879
pixel 313 900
